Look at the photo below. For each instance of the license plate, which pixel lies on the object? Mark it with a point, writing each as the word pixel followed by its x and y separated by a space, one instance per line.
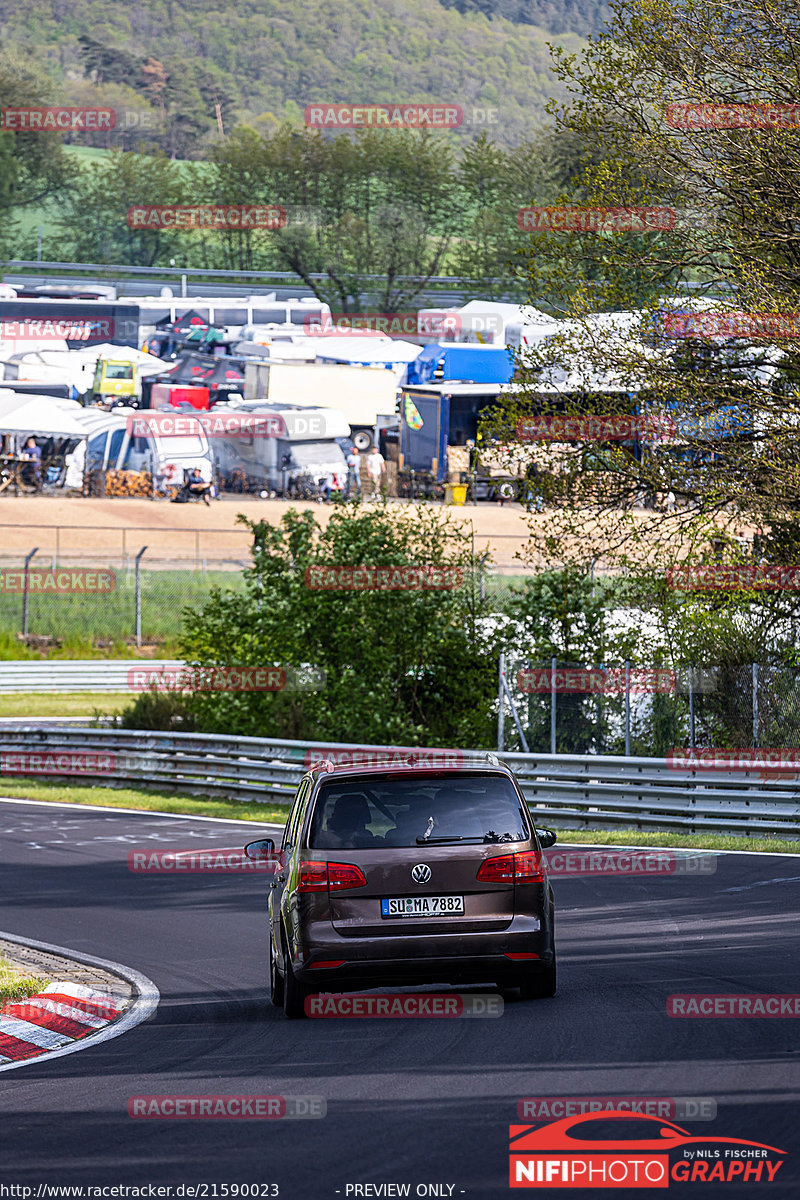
pixel 423 906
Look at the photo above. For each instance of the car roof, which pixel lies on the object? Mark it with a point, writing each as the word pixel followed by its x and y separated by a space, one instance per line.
pixel 327 770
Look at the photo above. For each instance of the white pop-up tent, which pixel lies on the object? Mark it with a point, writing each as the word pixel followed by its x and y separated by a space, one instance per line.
pixel 40 416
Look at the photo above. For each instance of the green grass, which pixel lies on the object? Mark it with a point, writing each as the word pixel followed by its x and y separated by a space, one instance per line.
pixel 277 813
pixel 164 802
pixel 56 704
pixel 14 986
pixel 688 841
pixel 80 621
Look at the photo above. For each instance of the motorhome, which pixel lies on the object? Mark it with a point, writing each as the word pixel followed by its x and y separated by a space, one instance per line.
pixel 296 444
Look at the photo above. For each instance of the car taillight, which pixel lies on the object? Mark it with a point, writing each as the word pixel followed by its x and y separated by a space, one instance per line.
pixel 345 875
pixel 499 869
pixel 320 876
pixel 525 867
pixel 528 867
pixel 312 877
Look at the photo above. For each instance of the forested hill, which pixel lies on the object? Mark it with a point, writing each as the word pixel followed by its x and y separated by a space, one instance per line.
pixel 264 60
pixel 556 16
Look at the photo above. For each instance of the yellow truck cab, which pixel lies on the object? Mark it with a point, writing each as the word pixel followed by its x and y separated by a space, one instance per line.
pixel 114 378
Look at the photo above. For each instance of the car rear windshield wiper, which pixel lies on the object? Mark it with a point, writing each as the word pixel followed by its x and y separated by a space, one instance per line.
pixel 443 841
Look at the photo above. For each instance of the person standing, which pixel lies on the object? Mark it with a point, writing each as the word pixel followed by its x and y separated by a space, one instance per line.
pixel 376 466
pixel 353 473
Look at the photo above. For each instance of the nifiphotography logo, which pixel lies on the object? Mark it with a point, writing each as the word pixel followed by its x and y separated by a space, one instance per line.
pixel 622 1149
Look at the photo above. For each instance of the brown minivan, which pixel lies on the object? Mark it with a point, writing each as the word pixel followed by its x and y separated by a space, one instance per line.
pixel 399 875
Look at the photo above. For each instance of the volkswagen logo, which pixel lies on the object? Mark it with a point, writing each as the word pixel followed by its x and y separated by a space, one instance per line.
pixel 421 873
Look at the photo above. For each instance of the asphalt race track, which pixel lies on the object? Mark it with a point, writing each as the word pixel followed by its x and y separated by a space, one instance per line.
pixel 416 1102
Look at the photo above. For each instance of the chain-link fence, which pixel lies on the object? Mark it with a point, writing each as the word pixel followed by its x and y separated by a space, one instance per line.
pixel 49 603
pixel 576 708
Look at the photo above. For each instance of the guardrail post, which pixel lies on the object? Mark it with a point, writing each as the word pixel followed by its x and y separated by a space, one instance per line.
pixel 26 589
pixel 501 703
pixel 755 705
pixel 138 561
pixel 553 705
pixel 627 708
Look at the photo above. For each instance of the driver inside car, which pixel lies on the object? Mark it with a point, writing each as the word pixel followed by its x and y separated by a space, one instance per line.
pixel 347 825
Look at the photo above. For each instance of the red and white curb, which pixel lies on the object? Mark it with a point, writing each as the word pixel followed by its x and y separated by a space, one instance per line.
pixel 65 1017
pixel 54 1017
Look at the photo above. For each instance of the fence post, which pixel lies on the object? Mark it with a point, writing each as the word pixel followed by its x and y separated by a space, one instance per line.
pixel 139 596
pixel 25 590
pixel 627 708
pixel 755 705
pixel 691 706
pixel 501 703
pixel 553 705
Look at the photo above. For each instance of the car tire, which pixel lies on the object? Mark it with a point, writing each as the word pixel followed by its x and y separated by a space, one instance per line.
pixel 540 984
pixel 276 988
pixel 294 993
pixel 362 440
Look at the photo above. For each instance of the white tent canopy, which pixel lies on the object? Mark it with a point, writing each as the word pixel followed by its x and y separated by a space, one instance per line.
pixel 40 416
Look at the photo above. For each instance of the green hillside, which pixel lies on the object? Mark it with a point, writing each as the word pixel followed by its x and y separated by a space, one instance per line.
pixel 264 61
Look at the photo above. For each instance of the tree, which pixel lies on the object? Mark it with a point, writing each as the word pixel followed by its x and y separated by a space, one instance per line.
pixel 411 666
pixel 717 397
pixel 32 164
pixel 93 223
pixel 380 203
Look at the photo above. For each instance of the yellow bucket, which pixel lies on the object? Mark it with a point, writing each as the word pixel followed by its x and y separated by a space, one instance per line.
pixel 455 493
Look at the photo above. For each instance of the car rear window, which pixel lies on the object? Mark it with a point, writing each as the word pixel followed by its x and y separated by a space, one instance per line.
pixel 417 811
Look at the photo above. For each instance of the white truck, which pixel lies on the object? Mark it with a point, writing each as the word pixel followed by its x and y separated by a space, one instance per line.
pixel 367 397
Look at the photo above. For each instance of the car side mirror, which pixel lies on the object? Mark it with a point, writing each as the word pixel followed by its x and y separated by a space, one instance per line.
pixel 546 838
pixel 263 848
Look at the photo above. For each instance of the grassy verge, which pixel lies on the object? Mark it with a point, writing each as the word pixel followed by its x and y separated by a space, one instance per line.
pixel 277 813
pixel 163 802
pixel 691 841
pixel 16 986
pixel 63 704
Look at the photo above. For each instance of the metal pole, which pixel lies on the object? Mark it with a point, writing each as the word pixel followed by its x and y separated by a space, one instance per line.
pixel 552 705
pixel 691 706
pixel 25 591
pixel 183 285
pixel 501 703
pixel 627 708
pixel 755 705
pixel 139 596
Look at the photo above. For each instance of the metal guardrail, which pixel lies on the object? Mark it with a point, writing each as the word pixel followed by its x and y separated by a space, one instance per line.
pixel 203 273
pixel 568 791
pixel 78 674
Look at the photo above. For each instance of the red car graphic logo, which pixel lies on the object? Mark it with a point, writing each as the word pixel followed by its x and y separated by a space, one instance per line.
pixel 618 1148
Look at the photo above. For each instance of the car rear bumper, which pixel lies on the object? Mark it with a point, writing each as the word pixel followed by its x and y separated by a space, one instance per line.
pixel 446 958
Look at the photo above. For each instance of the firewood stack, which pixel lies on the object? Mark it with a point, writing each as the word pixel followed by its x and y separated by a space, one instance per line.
pixel 129 483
